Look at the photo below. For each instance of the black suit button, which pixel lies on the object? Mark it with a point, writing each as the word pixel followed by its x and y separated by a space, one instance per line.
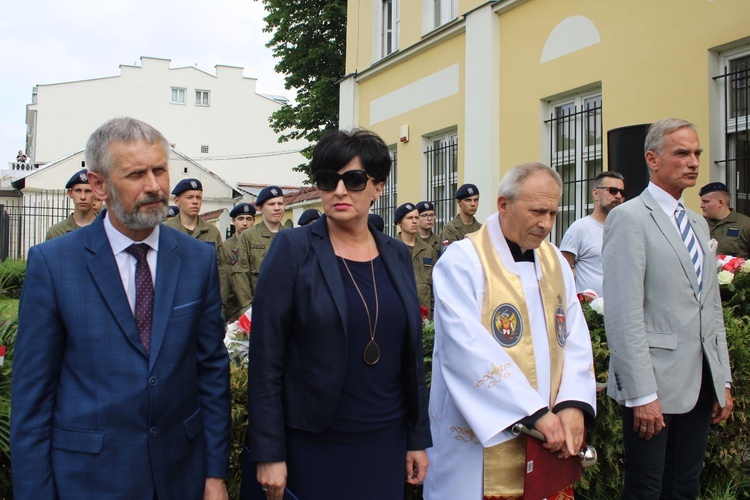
pixel 152 431
pixel 152 381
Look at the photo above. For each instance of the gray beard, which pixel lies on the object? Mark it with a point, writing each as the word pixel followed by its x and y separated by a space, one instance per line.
pixel 137 220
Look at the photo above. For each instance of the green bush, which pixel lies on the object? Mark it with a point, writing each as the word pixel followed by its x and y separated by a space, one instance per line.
pixel 604 480
pixel 8 330
pixel 12 273
pixel 725 470
pixel 238 384
pixel 726 467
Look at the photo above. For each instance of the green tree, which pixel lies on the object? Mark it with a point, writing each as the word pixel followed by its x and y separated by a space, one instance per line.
pixel 308 39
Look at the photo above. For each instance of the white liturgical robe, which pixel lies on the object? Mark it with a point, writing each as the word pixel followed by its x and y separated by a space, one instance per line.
pixel 465 417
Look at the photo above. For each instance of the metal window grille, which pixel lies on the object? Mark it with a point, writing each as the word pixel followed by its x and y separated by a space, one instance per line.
pixel 386 204
pixel 204 149
pixel 735 80
pixel 24 221
pixel 575 142
pixel 441 159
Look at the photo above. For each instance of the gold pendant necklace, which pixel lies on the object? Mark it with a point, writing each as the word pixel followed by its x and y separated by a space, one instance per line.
pixel 372 351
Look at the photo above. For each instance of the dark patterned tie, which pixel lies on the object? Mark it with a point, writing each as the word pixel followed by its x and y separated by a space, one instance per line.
pixel 144 293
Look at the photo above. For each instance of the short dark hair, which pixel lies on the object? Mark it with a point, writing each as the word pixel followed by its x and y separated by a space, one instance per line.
pixel 339 147
pixel 599 179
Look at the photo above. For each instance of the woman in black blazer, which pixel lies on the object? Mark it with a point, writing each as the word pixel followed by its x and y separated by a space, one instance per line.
pixel 337 400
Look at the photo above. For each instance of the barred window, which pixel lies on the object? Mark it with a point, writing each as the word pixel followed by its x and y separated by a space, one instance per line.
pixel 441 158
pixel 386 204
pixel 575 144
pixel 736 117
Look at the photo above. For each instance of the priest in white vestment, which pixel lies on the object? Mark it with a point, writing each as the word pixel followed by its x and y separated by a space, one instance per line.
pixel 511 345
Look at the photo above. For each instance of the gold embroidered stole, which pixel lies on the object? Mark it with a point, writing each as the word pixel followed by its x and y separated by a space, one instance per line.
pixel 506 318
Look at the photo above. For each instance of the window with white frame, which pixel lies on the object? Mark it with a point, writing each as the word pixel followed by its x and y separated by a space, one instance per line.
pixel 441 160
pixel 385 28
pixel 201 97
pixel 734 81
pixel 387 202
pixel 178 95
pixel 388 17
pixel 438 12
pixel 575 144
pixel 204 149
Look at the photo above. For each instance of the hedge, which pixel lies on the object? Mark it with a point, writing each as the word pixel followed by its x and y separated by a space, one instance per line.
pixel 726 474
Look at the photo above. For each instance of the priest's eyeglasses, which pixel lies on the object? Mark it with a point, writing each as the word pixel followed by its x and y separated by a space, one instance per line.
pixel 354 180
pixel 613 190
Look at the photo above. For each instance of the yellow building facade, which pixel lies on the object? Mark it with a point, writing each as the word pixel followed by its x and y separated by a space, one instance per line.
pixel 463 90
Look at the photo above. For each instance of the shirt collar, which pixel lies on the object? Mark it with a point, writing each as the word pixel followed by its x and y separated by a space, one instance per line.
pixel 119 242
pixel 665 200
pixel 518 254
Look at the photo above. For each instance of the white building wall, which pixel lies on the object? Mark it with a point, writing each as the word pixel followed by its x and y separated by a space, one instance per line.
pixel 234 124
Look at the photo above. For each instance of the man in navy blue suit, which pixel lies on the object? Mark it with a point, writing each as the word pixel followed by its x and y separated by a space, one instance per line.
pixel 121 378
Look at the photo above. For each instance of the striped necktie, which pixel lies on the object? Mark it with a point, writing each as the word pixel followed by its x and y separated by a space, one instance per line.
pixel 691 242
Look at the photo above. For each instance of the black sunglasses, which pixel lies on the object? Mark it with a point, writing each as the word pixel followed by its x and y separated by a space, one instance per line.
pixel 354 180
pixel 613 191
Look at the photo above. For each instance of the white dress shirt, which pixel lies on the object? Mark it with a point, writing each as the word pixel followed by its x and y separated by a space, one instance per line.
pixel 126 262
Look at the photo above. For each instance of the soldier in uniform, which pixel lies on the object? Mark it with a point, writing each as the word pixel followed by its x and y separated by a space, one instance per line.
pixel 254 243
pixel 730 229
pixel 467 198
pixel 79 191
pixel 188 196
pixel 97 205
pixel 243 217
pixel 308 217
pixel 423 256
pixel 426 223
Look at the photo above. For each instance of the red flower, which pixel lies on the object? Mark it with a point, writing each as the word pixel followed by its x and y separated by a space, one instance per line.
pixel 424 311
pixel 586 296
pixel 733 265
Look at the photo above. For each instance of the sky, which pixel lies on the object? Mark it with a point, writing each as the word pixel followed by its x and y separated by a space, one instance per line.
pixel 52 41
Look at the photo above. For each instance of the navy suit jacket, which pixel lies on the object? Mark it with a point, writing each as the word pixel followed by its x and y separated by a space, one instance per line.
pixel 298 343
pixel 92 415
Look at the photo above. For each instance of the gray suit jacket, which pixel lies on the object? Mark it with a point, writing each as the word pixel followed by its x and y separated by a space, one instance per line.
pixel 658 327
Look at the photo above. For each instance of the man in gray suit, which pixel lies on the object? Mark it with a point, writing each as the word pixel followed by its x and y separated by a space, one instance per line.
pixel 669 364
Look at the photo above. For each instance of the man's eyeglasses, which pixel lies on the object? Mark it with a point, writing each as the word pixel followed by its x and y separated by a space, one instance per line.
pixel 613 191
pixel 427 216
pixel 354 180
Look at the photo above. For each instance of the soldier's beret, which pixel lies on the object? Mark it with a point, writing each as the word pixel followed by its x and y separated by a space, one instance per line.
pixel 466 191
pixel 187 185
pixel 80 177
pixel 712 187
pixel 403 210
pixel 425 206
pixel 308 216
pixel 376 221
pixel 242 209
pixel 267 193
